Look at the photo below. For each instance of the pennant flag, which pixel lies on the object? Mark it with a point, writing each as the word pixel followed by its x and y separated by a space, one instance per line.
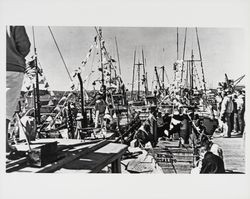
pixel 46 85
pixel 41 81
pixel 32 63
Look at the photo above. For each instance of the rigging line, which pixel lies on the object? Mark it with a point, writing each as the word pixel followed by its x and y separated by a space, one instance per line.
pixel 60 54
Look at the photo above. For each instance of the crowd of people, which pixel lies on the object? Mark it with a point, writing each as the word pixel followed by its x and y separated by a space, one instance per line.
pixel 230 112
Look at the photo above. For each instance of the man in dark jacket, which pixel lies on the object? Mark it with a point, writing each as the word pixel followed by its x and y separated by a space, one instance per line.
pixel 17 48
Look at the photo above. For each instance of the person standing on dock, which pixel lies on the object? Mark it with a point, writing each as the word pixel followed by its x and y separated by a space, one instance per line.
pixel 240 101
pixel 17 48
pixel 226 113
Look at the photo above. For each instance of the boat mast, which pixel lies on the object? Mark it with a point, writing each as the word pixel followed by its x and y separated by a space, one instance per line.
pixel 118 57
pixel 163 72
pixel 202 69
pixel 84 121
pixel 192 71
pixel 110 60
pixel 138 70
pixel 157 77
pixel 133 78
pixel 177 43
pixel 99 32
pixel 184 49
pixel 144 74
pixel 37 97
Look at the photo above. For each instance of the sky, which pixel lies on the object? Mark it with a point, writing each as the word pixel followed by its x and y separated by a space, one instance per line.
pixel 223 51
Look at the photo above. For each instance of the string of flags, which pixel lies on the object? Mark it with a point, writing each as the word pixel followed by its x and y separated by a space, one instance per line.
pixel 30 74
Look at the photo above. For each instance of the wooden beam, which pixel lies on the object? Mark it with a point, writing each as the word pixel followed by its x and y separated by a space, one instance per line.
pixel 57 165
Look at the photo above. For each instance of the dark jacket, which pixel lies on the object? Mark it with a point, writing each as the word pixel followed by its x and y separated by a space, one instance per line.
pixel 212 164
pixel 17 48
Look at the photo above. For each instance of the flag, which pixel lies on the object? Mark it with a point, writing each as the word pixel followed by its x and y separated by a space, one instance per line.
pixel 46 85
pixel 41 81
pixel 32 63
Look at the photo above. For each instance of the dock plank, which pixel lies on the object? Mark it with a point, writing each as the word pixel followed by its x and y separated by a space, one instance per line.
pixel 233 153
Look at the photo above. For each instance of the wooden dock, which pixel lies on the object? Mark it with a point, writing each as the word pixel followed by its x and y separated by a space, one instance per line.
pixel 174 159
pixel 233 152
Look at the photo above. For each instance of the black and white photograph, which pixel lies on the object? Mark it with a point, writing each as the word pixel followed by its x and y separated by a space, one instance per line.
pixel 142 100
pixel 137 99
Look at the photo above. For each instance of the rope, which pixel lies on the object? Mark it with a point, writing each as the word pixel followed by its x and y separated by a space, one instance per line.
pixel 60 54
